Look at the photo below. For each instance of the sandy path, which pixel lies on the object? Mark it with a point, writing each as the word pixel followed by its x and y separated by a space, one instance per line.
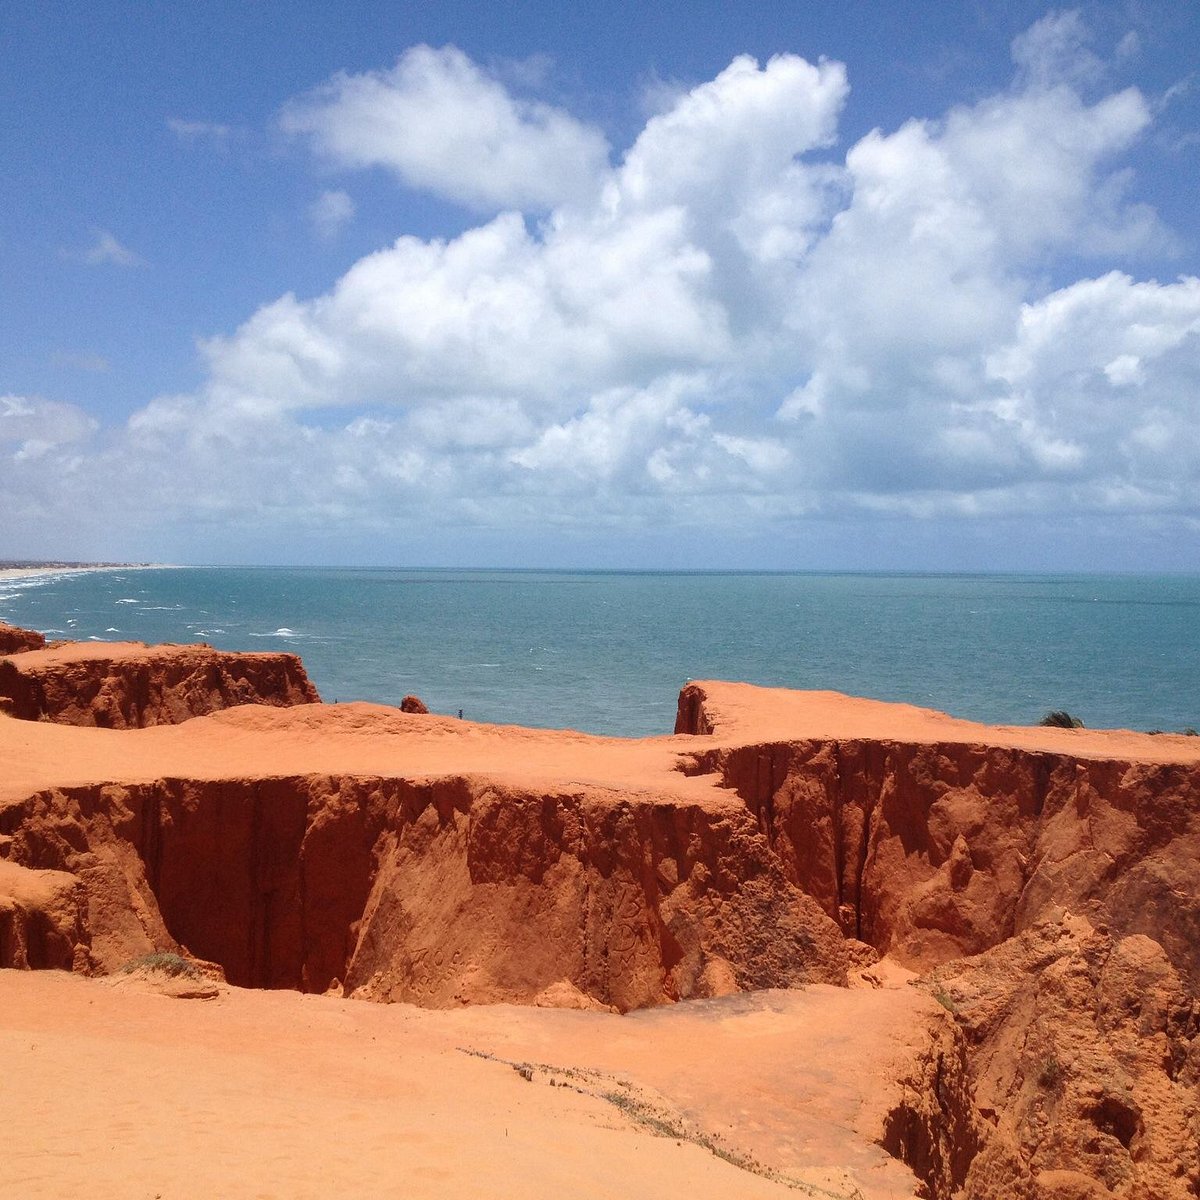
pixel 110 1091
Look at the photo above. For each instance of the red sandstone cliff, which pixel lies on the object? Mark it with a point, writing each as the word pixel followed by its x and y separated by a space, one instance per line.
pixel 1058 896
pixel 15 641
pixel 127 685
pixel 1083 1055
pixel 932 850
pixel 1046 879
pixel 438 893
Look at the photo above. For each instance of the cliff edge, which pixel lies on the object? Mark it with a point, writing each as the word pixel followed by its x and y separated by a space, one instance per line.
pixel 129 685
pixel 16 641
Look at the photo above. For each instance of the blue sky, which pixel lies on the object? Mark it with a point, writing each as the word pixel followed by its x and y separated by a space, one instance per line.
pixel 833 285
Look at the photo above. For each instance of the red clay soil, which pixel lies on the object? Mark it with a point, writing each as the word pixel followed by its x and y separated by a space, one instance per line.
pixel 1042 883
pixel 129 685
pixel 118 1088
pixel 16 641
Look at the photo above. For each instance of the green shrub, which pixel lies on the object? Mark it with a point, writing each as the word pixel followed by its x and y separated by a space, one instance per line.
pixel 945 1000
pixel 1061 719
pixel 164 963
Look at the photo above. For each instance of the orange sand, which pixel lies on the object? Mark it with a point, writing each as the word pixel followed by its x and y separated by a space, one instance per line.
pixel 252 741
pixel 111 1091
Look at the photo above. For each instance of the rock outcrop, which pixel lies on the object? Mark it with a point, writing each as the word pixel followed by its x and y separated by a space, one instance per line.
pixel 16 641
pixel 43 919
pixel 128 685
pixel 1084 1059
pixel 1054 897
pixel 930 852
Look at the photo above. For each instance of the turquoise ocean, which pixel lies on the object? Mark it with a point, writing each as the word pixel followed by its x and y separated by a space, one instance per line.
pixel 607 652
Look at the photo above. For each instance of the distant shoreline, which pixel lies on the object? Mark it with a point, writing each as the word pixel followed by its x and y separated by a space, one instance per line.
pixel 25 569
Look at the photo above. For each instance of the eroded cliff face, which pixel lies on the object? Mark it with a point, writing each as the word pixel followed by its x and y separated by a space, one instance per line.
pixel 43 920
pixel 1053 901
pixel 1050 900
pixel 441 893
pixel 1084 1060
pixel 933 852
pixel 131 686
pixel 16 641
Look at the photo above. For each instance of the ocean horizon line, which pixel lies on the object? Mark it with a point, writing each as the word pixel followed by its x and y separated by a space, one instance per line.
pixel 30 566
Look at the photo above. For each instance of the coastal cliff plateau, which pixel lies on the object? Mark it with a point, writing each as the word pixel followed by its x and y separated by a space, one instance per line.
pixel 1036 888
pixel 129 685
pixel 14 640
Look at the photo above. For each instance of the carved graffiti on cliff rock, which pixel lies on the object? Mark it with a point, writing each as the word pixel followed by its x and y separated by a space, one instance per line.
pixel 430 968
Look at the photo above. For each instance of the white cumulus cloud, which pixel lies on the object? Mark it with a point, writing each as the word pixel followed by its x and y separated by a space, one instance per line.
pixel 442 123
pixel 31 426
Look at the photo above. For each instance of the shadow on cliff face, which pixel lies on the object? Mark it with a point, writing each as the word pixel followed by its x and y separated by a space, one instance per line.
pixel 438 894
pixel 929 853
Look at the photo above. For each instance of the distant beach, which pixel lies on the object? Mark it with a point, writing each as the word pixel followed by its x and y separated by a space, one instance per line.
pixel 26 570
